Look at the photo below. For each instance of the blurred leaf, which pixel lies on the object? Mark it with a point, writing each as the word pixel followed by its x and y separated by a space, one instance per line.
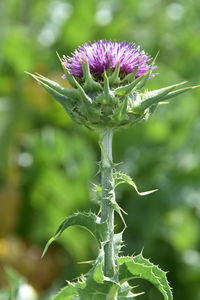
pixel 18 39
pixel 183 229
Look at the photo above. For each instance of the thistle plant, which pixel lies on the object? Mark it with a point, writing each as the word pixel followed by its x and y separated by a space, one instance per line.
pixel 108 92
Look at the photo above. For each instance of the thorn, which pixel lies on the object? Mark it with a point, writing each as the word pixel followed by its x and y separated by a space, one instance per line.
pixel 69 77
pixel 156 56
pixel 83 95
pixel 131 76
pixel 107 91
pixel 126 89
pixel 114 77
pixel 90 84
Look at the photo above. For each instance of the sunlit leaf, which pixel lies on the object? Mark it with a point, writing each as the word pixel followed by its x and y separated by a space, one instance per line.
pixel 124 178
pixel 67 293
pixel 87 220
pixel 140 267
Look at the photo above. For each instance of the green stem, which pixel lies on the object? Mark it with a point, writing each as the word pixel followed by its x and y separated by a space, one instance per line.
pixel 108 198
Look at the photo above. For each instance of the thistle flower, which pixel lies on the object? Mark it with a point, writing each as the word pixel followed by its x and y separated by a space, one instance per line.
pixel 107 80
pixel 105 56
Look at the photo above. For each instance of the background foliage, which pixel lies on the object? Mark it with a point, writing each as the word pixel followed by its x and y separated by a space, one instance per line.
pixel 47 163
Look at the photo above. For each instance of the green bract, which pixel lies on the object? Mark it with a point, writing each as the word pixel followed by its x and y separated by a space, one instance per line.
pixel 111 102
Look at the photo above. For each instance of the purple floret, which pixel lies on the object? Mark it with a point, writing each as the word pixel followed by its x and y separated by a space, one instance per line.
pixel 103 55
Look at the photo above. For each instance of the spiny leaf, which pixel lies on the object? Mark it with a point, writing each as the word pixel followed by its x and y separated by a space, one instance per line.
pixel 118 242
pixel 140 267
pixel 107 290
pixel 94 291
pixel 87 220
pixel 112 294
pixel 124 178
pixel 67 293
pixel 91 290
pixel 98 274
pixel 126 292
pixel 97 291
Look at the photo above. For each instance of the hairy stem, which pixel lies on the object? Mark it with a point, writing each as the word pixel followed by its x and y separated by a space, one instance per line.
pixel 108 198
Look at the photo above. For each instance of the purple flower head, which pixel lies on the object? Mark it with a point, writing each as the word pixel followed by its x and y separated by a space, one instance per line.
pixel 107 81
pixel 105 55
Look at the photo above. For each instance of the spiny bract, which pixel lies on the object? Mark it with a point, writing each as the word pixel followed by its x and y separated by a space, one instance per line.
pixel 107 80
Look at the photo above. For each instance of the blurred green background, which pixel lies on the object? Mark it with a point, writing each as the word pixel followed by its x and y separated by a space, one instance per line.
pixel 48 163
